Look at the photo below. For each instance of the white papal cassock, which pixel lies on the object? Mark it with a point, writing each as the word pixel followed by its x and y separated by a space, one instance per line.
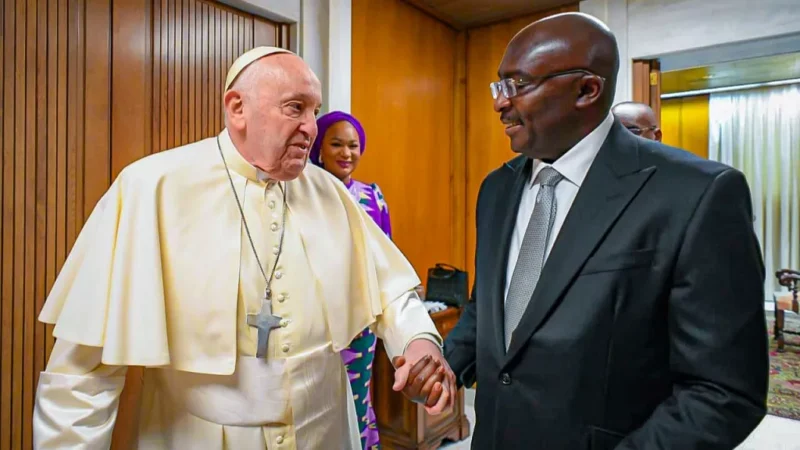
pixel 163 275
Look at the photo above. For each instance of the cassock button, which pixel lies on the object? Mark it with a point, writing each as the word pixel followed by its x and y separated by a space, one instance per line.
pixel 278 275
pixel 274 226
pixel 271 204
pixel 275 250
pixel 284 323
pixel 505 379
pixel 282 298
pixel 285 348
pixel 279 440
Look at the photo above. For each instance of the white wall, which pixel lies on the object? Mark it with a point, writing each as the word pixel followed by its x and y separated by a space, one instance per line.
pixel 656 27
pixel 614 13
pixel 339 55
pixel 277 10
pixel 320 34
pixel 314 39
pixel 652 28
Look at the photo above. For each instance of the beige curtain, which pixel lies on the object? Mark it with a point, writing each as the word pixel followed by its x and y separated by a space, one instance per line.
pixel 758 132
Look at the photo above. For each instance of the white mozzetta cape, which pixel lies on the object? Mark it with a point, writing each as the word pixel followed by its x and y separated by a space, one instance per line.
pixel 153 276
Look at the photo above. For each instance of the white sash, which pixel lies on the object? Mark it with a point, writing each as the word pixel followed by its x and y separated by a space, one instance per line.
pixel 254 395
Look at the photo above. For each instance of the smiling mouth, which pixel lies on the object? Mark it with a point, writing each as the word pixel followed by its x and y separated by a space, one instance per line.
pixel 344 164
pixel 510 124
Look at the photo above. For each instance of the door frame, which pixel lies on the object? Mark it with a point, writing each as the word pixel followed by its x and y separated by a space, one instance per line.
pixel 647 84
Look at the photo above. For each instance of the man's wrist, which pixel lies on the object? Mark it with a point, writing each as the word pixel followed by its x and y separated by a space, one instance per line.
pixel 426 336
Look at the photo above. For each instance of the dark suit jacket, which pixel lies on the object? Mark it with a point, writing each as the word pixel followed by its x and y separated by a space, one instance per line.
pixel 647 327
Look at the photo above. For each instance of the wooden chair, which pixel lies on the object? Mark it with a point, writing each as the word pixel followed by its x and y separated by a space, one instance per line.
pixel 787 302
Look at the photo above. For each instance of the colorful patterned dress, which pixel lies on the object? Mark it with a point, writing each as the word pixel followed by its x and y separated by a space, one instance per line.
pixel 359 356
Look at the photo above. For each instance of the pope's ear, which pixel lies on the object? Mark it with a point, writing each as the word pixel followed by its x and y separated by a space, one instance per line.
pixel 234 109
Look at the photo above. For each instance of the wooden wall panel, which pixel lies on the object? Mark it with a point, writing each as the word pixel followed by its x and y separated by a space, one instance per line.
pixel 458 166
pixel 97 149
pixel 179 66
pixel 487 146
pixel 684 123
pixel 403 77
pixel 265 33
pixel 87 86
pixel 7 249
pixel 44 187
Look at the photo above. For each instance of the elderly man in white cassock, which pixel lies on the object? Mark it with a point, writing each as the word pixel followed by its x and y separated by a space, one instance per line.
pixel 233 272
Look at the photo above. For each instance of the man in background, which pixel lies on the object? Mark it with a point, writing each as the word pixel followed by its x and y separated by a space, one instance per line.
pixel 639 119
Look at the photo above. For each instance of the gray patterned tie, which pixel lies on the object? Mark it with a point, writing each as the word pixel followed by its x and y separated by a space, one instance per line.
pixel 531 253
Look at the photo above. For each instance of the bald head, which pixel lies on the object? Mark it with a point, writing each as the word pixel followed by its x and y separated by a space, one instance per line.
pixel 271 72
pixel 639 118
pixel 565 69
pixel 569 41
pixel 270 113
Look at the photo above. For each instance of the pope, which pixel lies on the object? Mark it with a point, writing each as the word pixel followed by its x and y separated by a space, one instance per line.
pixel 233 272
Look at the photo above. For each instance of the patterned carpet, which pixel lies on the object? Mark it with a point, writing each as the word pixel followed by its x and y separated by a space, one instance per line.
pixel 784 373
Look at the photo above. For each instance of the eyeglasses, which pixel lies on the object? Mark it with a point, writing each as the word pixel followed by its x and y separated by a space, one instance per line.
pixel 510 87
pixel 638 131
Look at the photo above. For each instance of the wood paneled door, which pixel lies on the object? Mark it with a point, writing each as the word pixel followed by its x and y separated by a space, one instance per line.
pixel 647 84
pixel 404 98
pixel 169 62
pixel 86 87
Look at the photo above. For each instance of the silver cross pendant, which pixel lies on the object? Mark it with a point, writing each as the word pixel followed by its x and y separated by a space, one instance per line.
pixel 265 322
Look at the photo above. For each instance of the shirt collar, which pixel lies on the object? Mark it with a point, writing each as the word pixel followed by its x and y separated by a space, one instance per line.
pixel 237 163
pixel 575 163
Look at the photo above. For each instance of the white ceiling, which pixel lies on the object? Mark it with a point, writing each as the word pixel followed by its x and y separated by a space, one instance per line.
pixel 471 13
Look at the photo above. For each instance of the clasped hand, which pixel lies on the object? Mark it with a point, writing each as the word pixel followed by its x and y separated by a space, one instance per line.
pixel 424 377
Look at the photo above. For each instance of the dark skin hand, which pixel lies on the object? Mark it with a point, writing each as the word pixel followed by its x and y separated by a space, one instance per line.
pixel 425 377
pixel 426 381
pixel 553 110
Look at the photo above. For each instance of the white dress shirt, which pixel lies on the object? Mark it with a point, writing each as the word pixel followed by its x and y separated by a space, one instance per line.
pixel 573 165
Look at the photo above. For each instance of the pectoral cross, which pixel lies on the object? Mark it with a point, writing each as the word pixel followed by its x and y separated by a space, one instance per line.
pixel 265 322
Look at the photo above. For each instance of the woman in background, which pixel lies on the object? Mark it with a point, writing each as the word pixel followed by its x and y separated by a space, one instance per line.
pixel 338 148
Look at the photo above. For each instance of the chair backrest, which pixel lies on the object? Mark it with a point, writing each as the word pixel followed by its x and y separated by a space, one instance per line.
pixel 790 279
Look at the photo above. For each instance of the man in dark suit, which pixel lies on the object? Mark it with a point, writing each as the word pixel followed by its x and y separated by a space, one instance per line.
pixel 639 119
pixel 618 299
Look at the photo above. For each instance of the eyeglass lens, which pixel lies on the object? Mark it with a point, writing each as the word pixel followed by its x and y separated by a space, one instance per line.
pixel 506 87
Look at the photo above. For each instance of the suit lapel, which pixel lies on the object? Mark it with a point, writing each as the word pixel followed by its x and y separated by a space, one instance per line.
pixel 517 173
pixel 613 180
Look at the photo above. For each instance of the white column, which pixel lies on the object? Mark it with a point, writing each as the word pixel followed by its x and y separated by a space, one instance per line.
pixel 339 55
pixel 325 45
pixel 314 40
pixel 614 13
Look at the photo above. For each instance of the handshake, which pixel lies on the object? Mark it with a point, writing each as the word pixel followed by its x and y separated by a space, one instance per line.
pixel 424 377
